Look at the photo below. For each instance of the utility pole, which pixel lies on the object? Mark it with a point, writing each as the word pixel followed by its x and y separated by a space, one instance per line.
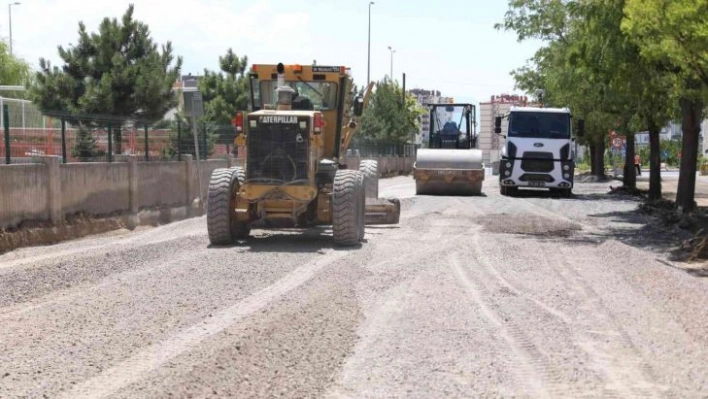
pixel 368 58
pixel 9 13
pixel 392 51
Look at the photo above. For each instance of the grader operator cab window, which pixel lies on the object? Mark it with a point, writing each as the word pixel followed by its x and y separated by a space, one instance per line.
pixel 312 95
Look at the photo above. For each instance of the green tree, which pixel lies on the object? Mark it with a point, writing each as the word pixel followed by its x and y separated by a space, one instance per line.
pixel 224 93
pixel 387 118
pixel 591 65
pixel 557 70
pixel 182 136
pixel 86 147
pixel 112 76
pixel 13 71
pixel 672 33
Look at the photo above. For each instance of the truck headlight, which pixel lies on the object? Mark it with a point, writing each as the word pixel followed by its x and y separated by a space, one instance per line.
pixel 566 175
pixel 507 173
pixel 508 165
pixel 566 167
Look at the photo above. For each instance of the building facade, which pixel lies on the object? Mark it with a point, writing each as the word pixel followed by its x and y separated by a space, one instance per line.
pixel 423 97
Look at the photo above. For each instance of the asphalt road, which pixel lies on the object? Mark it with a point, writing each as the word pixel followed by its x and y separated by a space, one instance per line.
pixel 468 297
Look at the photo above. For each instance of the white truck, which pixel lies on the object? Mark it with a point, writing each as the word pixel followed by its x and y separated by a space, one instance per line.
pixel 539 151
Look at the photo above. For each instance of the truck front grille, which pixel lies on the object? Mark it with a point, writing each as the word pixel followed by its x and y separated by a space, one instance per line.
pixel 537 162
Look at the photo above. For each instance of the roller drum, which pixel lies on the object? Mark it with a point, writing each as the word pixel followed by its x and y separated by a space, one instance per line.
pixel 432 158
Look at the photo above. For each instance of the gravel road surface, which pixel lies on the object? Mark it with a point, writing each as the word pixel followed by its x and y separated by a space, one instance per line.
pixel 488 296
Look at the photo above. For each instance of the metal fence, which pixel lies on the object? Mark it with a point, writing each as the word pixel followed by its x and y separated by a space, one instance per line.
pixel 381 149
pixel 96 138
pixel 27 132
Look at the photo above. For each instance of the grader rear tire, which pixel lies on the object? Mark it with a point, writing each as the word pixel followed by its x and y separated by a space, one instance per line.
pixel 223 229
pixel 370 168
pixel 348 207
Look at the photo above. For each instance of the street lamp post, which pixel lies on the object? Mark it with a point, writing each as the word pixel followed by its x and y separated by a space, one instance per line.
pixel 9 13
pixel 368 58
pixel 392 51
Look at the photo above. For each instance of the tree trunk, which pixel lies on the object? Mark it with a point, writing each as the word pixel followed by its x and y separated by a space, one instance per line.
pixel 654 160
pixel 599 158
pixel 593 166
pixel 691 112
pixel 630 174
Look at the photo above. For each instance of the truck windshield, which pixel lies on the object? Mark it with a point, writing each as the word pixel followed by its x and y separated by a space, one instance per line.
pixel 539 125
pixel 322 95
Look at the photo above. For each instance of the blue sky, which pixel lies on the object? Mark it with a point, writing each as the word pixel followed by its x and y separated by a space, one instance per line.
pixel 450 45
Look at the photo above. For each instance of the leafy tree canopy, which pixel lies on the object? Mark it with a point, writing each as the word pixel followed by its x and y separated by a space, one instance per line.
pixel 386 118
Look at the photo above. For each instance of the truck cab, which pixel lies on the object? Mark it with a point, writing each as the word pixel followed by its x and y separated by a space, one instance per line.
pixel 539 151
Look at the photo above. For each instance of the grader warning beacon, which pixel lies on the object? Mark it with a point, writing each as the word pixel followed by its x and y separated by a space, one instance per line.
pixel 451 164
pixel 295 175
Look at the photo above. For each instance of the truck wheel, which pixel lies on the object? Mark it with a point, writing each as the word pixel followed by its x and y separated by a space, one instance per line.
pixel 508 191
pixel 370 168
pixel 348 207
pixel 222 226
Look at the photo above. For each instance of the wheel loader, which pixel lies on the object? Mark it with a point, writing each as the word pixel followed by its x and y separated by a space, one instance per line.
pixel 452 164
pixel 295 176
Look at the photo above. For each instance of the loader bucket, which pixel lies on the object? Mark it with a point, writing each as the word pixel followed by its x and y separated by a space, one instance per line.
pixel 448 172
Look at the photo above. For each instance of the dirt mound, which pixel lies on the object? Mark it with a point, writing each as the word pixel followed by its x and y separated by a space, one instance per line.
pixel 665 214
pixel 46 233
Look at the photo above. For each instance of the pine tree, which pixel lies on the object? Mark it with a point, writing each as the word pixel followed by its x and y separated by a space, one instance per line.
pixel 114 75
pixel 86 146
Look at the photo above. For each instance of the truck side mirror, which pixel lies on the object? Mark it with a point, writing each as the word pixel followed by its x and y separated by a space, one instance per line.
pixel 497 124
pixel 358 105
pixel 581 127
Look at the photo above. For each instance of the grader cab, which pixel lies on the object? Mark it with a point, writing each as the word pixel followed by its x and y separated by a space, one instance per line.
pixel 295 176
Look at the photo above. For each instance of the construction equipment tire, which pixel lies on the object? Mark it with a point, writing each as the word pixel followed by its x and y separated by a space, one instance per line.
pixel 505 190
pixel 348 207
pixel 222 227
pixel 370 168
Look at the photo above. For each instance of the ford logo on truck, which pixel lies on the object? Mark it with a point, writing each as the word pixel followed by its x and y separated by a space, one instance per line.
pixel 538 144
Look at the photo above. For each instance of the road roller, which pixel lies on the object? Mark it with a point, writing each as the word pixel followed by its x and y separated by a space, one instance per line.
pixel 452 163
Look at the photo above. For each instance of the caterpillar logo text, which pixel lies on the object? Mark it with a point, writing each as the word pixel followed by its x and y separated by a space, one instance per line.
pixel 277 119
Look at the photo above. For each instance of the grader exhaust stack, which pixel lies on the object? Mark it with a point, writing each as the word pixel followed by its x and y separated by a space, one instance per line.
pixel 452 165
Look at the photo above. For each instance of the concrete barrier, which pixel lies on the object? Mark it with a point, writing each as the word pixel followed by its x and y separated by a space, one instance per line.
pixel 47 191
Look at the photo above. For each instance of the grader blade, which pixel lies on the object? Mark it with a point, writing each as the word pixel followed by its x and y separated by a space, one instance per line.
pixel 383 211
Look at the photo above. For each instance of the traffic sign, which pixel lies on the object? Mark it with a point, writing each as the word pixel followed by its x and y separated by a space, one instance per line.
pixel 617 142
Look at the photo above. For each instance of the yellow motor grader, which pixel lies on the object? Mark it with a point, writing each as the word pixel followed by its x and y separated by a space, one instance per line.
pixel 295 138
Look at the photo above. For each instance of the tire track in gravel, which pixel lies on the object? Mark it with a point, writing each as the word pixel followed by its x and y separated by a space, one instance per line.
pixel 528 362
pixel 496 274
pixel 621 372
pixel 151 358
pixel 624 366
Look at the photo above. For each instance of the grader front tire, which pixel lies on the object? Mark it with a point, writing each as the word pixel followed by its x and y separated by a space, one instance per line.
pixel 348 207
pixel 221 225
